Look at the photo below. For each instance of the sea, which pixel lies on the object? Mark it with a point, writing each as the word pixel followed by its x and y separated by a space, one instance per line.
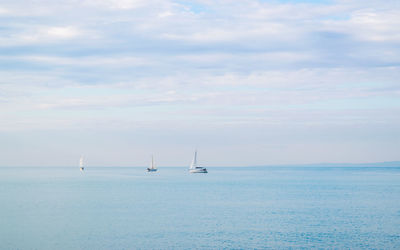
pixel 293 207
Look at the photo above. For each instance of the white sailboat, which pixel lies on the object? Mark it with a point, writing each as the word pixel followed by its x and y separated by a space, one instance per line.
pixel 152 167
pixel 81 164
pixel 194 168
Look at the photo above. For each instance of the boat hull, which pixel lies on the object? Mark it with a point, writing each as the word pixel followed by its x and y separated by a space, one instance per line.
pixel 198 171
pixel 151 170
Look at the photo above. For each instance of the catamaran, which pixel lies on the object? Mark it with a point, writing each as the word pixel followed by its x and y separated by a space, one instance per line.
pixel 81 164
pixel 152 167
pixel 194 168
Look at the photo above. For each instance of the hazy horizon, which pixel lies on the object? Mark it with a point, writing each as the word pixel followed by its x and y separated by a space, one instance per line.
pixel 316 164
pixel 251 82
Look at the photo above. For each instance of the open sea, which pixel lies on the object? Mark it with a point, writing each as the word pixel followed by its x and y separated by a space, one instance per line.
pixel 228 208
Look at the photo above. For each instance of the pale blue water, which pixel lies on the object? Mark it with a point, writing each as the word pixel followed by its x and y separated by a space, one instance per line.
pixel 239 208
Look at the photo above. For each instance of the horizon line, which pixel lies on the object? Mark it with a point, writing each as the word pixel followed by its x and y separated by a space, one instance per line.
pixel 368 164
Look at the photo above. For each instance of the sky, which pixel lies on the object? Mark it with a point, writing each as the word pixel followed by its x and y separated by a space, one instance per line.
pixel 246 82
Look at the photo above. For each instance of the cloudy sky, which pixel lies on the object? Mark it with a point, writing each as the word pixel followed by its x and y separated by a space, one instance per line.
pixel 247 82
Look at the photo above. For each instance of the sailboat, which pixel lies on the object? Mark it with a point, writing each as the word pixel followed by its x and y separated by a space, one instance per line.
pixel 81 164
pixel 152 167
pixel 194 168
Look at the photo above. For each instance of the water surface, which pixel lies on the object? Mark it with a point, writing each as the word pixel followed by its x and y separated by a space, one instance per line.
pixel 240 208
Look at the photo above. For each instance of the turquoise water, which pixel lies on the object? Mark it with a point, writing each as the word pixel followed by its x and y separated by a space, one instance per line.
pixel 239 208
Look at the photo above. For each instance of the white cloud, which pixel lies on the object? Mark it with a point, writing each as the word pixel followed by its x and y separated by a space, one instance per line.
pixel 369 25
pixel 202 65
pixel 3 11
pixel 44 35
pixel 61 32
pixel 118 4
pixel 87 61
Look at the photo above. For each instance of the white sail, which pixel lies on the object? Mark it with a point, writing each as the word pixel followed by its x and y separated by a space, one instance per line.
pixel 81 162
pixel 194 162
pixel 152 165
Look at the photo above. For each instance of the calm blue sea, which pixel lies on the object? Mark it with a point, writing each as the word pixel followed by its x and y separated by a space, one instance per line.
pixel 228 208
